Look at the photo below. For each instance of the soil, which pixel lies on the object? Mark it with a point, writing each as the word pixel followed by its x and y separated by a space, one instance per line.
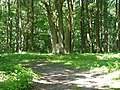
pixel 59 77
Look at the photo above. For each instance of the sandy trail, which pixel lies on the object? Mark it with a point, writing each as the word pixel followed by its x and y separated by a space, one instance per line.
pixel 59 77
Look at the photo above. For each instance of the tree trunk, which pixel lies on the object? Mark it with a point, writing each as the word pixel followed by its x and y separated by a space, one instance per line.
pixel 0 25
pixel 105 27
pixel 32 25
pixel 20 27
pixel 27 31
pixel 83 45
pixel 8 25
pixel 58 6
pixel 17 27
pixel 73 26
pixel 118 28
pixel 91 31
pixel 88 17
pixel 97 27
pixel 54 37
pixel 69 29
pixel 117 25
pixel 101 26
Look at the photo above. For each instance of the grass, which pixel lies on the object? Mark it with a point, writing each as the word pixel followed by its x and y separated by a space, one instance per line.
pixel 13 76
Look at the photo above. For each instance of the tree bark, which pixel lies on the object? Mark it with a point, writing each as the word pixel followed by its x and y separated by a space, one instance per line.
pixel 69 29
pixel 0 25
pixel 32 25
pixel 91 30
pixel 105 27
pixel 83 44
pixel 9 25
pixel 27 31
pixel 54 37
pixel 117 25
pixel 97 27
pixel 89 36
pixel 58 6
pixel 17 27
pixel 21 29
pixel 101 26
pixel 118 28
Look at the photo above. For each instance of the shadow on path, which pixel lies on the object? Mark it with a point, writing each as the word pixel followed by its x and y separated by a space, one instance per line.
pixel 55 76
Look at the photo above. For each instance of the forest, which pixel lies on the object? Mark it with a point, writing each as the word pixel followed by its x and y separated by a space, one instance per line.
pixel 55 44
pixel 69 26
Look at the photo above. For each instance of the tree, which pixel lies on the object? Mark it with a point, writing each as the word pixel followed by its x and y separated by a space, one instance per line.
pixel 89 26
pixel 97 27
pixel 82 33
pixel 54 38
pixel 17 26
pixel 58 7
pixel 67 25
pixel 69 30
pixel 101 25
pixel 118 24
pixel 32 25
pixel 9 19
pixel 105 26
pixel 0 23
pixel 20 28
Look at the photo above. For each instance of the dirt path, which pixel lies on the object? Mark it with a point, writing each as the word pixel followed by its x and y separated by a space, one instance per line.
pixel 59 77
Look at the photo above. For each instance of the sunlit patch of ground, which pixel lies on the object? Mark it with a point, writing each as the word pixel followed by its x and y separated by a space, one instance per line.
pixel 58 77
pixel 108 56
pixel 70 72
pixel 95 79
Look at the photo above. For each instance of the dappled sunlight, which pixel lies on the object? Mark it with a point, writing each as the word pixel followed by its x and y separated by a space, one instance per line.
pixel 100 81
pixel 73 72
pixel 108 56
pixel 38 65
pixel 27 60
pixel 57 74
pixel 3 77
pixel 68 63
pixel 94 79
pixel 57 61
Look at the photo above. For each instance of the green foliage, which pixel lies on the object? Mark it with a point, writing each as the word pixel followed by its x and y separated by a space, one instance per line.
pixel 19 81
pixel 13 76
pixel 80 61
pixel 42 43
pixel 91 6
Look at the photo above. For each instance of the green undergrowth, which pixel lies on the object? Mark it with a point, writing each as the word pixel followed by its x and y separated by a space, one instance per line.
pixel 13 76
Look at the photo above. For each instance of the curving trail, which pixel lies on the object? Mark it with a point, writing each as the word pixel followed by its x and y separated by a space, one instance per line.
pixel 59 77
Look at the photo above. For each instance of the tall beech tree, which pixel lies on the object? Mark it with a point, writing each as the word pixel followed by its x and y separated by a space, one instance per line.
pixel 118 24
pixel 105 26
pixel 0 23
pixel 54 37
pixel 59 6
pixel 9 26
pixel 82 29
pixel 32 26
pixel 69 30
pixel 17 26
pixel 21 37
pixel 97 27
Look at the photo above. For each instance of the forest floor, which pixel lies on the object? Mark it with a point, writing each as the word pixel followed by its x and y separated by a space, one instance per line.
pixel 56 76
pixel 60 72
